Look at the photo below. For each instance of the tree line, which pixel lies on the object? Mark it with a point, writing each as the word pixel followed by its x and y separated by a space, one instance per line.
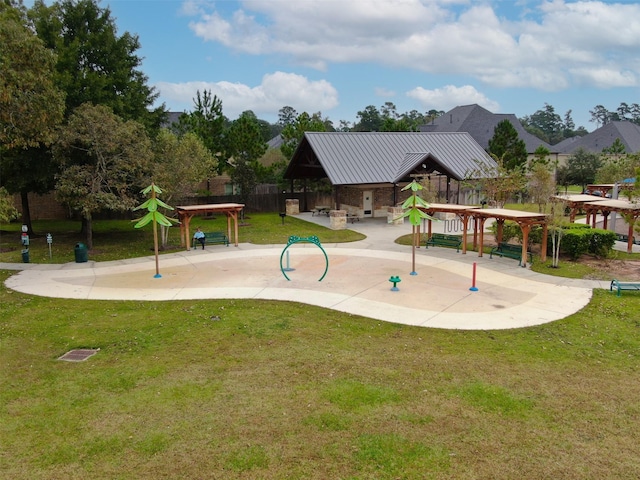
pixel 77 117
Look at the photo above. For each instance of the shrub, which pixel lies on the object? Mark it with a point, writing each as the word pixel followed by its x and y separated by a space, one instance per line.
pixel 579 239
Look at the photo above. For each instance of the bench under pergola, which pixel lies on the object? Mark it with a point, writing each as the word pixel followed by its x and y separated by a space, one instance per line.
pixel 525 221
pixel 629 210
pixel 463 212
pixel 186 213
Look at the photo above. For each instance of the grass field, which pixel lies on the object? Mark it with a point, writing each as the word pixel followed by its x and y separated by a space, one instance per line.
pixel 244 389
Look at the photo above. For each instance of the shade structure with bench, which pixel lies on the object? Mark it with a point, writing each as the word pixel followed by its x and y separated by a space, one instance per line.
pixel 186 213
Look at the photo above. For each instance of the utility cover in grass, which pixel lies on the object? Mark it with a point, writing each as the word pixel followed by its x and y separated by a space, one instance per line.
pixel 79 355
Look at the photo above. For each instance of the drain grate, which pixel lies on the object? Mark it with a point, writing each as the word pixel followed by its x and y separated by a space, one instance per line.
pixel 79 355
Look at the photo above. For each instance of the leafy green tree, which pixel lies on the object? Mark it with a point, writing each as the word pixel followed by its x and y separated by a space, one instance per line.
pixel 616 149
pixel 287 116
pixel 104 160
pixel 7 210
pixel 293 132
pixel 208 123
pixel 583 166
pixel 244 147
pixel 370 120
pixel 94 64
pixel 540 156
pixel 506 145
pixel 30 104
pixel 180 163
pixel 617 168
pixel 548 123
pixel 542 185
pixel 562 177
pixel 31 107
pixel 601 116
pixel 496 181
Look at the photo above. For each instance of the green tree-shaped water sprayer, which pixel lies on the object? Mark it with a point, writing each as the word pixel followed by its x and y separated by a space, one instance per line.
pixel 412 207
pixel 154 216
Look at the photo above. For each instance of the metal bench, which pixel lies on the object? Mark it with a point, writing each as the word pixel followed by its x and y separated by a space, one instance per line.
pixel 442 240
pixel 214 238
pixel 619 286
pixel 509 250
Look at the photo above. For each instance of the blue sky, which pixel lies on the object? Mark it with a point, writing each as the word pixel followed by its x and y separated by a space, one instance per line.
pixel 339 56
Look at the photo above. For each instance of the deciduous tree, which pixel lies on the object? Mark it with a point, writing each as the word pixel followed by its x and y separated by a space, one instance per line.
pixel 105 160
pixel 583 166
pixel 31 107
pixel 244 147
pixel 94 63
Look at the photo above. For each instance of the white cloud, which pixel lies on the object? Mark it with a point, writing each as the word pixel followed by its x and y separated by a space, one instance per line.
pixel 549 48
pixel 276 90
pixel 451 96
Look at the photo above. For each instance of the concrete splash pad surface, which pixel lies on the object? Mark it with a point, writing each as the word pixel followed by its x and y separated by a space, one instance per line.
pixel 357 282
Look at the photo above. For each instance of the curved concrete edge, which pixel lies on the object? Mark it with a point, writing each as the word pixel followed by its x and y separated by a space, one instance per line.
pixel 458 308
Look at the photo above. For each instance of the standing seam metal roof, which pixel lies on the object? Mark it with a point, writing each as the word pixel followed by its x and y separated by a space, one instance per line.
pixel 386 157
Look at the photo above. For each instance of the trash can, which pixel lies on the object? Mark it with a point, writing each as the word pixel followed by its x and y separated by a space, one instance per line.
pixel 81 252
pixel 25 255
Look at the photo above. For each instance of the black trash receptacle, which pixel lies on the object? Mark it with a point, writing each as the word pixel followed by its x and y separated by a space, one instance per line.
pixel 25 255
pixel 81 252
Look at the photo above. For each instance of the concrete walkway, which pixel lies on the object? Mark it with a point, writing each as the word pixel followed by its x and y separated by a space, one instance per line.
pixel 357 280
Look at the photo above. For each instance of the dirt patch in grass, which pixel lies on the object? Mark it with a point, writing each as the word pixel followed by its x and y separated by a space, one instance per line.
pixel 628 270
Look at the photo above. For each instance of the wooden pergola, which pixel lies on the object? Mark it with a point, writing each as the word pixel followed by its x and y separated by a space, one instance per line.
pixel 186 213
pixel 463 212
pixel 576 202
pixel 524 219
pixel 629 210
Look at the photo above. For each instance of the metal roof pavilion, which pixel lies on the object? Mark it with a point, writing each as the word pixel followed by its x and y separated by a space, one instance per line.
pixel 357 158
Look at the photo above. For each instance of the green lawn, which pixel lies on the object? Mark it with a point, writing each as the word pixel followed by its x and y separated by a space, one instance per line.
pixel 117 239
pixel 248 389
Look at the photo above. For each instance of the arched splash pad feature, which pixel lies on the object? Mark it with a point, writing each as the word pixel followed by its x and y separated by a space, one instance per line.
pixel 293 239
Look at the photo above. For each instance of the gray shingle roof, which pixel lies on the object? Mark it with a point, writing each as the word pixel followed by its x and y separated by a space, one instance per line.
pixel 603 137
pixel 352 158
pixel 480 123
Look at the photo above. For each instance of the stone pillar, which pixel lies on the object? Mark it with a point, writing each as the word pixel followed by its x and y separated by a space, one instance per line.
pixel 393 216
pixel 292 206
pixel 338 219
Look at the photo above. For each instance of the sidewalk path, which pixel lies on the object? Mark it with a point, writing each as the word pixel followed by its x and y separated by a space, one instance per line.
pixel 357 281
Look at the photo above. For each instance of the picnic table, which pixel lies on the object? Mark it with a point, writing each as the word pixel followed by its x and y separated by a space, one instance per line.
pixel 321 209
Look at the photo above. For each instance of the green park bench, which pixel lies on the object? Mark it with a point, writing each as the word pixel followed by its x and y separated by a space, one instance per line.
pixel 214 238
pixel 619 286
pixel 509 250
pixel 442 240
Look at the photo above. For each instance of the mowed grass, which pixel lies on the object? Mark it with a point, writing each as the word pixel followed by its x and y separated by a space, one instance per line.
pixel 243 389
pixel 118 239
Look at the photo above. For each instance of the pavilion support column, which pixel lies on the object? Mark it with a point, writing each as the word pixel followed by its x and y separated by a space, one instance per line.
pixel 465 224
pixel 605 223
pixel 593 219
pixel 630 235
pixel 543 247
pixel 475 233
pixel 481 246
pixel 186 231
pixel 526 228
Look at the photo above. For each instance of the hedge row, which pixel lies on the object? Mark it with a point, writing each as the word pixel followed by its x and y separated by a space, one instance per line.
pixel 577 238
